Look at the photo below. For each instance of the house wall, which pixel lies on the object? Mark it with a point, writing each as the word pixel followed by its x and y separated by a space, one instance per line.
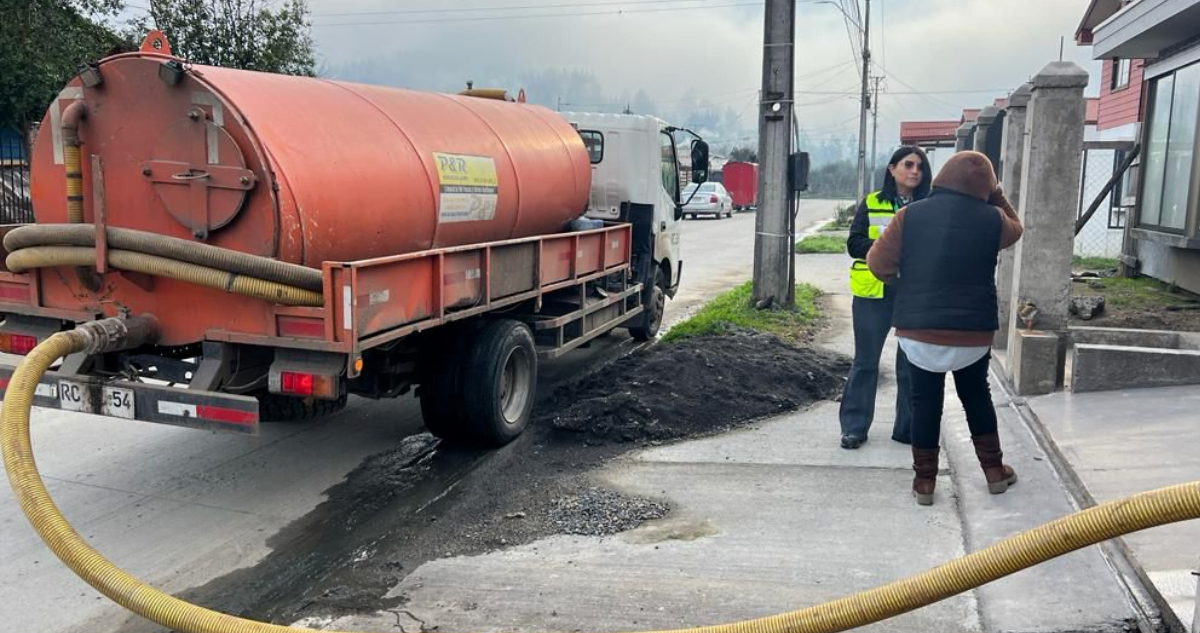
pixel 1125 105
pixel 1180 266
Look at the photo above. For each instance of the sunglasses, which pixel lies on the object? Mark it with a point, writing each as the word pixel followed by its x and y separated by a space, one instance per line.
pixel 910 164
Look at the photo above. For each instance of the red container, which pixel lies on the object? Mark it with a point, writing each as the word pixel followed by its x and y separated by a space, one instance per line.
pixel 741 180
pixel 302 169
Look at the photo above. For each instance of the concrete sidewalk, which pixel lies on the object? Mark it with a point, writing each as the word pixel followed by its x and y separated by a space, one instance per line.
pixel 1118 443
pixel 772 518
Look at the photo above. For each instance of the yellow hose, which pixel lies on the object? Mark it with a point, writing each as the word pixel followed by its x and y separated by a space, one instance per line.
pixel 52 256
pixel 198 253
pixel 1075 531
pixel 74 172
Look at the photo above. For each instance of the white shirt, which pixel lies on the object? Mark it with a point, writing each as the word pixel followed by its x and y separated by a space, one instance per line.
pixel 941 359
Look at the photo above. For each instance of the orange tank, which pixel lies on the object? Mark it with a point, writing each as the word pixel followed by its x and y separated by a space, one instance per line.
pixel 302 169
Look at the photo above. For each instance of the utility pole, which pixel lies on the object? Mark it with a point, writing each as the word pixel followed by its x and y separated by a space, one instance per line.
pixel 773 242
pixel 874 130
pixel 865 102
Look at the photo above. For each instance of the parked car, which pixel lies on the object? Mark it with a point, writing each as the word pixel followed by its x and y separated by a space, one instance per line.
pixel 711 199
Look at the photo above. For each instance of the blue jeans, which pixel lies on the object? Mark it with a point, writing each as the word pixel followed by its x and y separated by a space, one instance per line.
pixel 872 322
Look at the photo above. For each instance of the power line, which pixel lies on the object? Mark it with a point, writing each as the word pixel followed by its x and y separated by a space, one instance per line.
pixel 820 102
pixel 533 7
pixel 542 15
pixel 928 93
pixel 740 91
pixel 882 34
pixel 821 72
pixel 571 5
pixel 910 92
pixel 830 128
pixel 854 48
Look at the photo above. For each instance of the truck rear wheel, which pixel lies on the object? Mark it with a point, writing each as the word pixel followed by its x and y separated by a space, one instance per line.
pixel 652 314
pixel 440 392
pixel 499 382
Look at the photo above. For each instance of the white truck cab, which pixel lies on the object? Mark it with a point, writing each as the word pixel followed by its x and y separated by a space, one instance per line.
pixel 635 179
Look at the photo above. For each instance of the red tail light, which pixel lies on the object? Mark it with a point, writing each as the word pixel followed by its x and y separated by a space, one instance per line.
pixel 300 383
pixel 713 198
pixel 17 343
pixel 296 384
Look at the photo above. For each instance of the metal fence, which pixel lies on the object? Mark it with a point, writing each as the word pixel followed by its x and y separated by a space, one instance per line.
pixel 15 206
pixel 1102 235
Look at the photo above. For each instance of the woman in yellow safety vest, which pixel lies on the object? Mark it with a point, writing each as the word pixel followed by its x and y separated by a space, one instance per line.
pixel 908 177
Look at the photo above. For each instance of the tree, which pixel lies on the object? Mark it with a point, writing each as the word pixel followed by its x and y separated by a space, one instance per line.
pixel 42 50
pixel 743 154
pixel 245 34
pixel 833 180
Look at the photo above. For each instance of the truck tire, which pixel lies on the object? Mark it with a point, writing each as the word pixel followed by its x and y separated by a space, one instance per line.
pixel 652 314
pixel 276 408
pixel 499 382
pixel 440 393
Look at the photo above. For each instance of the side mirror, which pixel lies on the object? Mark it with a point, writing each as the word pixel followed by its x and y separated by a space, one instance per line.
pixel 798 165
pixel 699 162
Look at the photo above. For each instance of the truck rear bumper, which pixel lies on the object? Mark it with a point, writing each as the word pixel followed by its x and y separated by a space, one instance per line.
pixel 176 406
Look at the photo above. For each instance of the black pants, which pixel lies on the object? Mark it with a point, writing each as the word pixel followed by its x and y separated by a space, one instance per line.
pixel 929 394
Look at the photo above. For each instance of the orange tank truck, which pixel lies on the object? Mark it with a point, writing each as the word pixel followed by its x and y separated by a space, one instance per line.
pixel 298 239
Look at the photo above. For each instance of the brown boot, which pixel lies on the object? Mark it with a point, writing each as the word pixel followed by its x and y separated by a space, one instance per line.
pixel 925 465
pixel 999 476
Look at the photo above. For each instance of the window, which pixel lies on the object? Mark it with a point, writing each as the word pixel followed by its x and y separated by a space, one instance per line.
pixel 670 166
pixel 1120 74
pixel 1170 149
pixel 594 141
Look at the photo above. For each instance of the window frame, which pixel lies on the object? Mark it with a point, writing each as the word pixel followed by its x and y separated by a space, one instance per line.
pixel 1189 227
pixel 599 135
pixel 674 161
pixel 1120 79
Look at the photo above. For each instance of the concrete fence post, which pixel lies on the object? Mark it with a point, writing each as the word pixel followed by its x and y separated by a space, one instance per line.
pixel 964 137
pixel 984 125
pixel 1049 195
pixel 1012 154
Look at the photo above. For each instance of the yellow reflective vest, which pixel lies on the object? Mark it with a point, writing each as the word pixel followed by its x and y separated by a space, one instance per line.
pixel 862 282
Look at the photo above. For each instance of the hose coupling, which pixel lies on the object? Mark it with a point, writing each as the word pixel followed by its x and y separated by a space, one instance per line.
pixel 118 333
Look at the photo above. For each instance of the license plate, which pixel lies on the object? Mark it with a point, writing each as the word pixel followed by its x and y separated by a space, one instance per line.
pixel 74 396
pixel 118 402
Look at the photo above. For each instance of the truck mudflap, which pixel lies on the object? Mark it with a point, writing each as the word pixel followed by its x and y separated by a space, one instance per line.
pixel 203 410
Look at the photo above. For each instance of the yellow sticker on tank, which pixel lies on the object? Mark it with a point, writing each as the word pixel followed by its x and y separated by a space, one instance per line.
pixel 469 187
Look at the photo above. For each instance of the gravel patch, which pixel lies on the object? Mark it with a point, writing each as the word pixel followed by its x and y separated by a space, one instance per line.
pixel 601 512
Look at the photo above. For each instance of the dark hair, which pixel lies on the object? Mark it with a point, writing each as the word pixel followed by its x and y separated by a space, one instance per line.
pixel 889 192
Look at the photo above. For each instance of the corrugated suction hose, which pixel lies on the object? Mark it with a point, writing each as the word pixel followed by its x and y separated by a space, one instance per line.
pixel 53 256
pixel 164 246
pixel 1088 527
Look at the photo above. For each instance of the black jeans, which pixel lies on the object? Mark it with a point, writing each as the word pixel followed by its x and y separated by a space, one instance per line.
pixel 872 322
pixel 929 394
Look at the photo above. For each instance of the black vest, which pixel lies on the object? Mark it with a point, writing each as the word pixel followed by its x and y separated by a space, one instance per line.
pixel 948 264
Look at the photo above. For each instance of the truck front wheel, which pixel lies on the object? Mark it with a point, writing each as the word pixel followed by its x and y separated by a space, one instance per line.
pixel 652 314
pixel 499 382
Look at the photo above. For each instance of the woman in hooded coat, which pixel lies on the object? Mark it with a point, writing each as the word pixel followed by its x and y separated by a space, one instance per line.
pixel 941 254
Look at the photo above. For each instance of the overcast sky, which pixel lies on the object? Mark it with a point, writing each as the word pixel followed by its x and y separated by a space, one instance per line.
pixel 937 56
pixel 956 53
